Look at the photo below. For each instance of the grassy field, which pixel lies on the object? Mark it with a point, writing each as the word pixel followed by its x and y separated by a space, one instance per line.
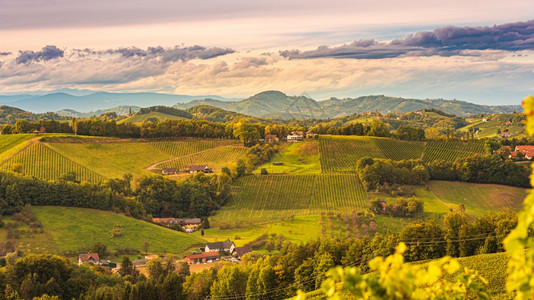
pixel 8 141
pixel 477 198
pixel 340 153
pixel 215 158
pixel 68 228
pixel 44 163
pixel 112 159
pixel 449 150
pixel 297 158
pixel 273 196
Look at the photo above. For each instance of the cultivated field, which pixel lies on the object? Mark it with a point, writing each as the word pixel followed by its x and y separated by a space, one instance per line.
pixel 40 161
pixel 187 147
pixel 449 150
pixel 340 153
pixel 215 158
pixel 272 196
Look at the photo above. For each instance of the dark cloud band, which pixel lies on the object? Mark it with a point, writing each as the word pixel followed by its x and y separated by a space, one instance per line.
pixel 445 41
pixel 47 53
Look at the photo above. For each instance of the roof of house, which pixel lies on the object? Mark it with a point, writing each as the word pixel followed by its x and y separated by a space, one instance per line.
pixel 151 256
pixel 85 257
pixel 168 169
pixel 191 221
pixel 196 167
pixel 177 220
pixel 220 245
pixel 206 255
pixel 524 148
pixel 240 251
pixel 529 153
pixel 513 153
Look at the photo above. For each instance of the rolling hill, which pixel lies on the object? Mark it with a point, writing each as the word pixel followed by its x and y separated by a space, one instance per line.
pixel 68 228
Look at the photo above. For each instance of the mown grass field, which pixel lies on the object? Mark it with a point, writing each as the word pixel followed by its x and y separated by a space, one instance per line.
pixel 71 228
pixel 215 158
pixel 340 153
pixel 273 196
pixel 478 199
pixel 449 150
pixel 8 141
pixel 40 161
pixel 296 158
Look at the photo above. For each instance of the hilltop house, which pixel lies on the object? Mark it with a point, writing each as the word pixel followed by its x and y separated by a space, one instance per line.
pixel 202 257
pixel 197 168
pixel 90 257
pixel 226 246
pixel 168 171
pixel 526 150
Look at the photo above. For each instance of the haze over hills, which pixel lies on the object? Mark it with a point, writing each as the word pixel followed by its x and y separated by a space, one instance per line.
pixel 268 104
pixel 95 101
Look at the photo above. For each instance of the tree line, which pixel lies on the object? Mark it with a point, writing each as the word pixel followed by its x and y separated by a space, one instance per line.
pixel 375 172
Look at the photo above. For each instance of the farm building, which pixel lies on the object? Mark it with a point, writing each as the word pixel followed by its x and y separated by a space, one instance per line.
pixel 240 251
pixel 90 257
pixel 202 257
pixel 168 171
pixel 151 256
pixel 271 138
pixel 227 246
pixel 197 168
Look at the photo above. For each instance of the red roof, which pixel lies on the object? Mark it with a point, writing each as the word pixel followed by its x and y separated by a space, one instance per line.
pixel 529 153
pixel 513 153
pixel 87 256
pixel 524 148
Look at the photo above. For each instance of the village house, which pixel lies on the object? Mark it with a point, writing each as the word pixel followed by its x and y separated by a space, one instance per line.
pixel 151 256
pixel 90 257
pixel 295 136
pixel 526 150
pixel 168 171
pixel 309 134
pixel 226 246
pixel 240 251
pixel 205 257
pixel 193 169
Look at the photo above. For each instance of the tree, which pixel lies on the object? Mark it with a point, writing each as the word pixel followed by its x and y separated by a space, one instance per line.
pixel 69 177
pixel 248 134
pixel 229 282
pixel 146 246
pixel 378 129
pixel 126 267
pixel 155 269
pixel 99 248
pixel 432 133
pixel 74 126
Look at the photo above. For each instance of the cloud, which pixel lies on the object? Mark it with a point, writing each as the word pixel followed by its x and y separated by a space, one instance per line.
pixel 172 54
pixel 445 41
pixel 5 53
pixel 47 53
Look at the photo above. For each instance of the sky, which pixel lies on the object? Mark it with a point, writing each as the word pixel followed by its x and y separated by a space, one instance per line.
pixel 476 51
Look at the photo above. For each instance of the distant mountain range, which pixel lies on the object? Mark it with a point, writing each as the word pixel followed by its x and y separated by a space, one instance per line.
pixel 95 101
pixel 275 104
pixel 268 104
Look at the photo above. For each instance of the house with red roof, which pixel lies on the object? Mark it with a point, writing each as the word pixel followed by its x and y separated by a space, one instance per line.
pixel 89 257
pixel 202 257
